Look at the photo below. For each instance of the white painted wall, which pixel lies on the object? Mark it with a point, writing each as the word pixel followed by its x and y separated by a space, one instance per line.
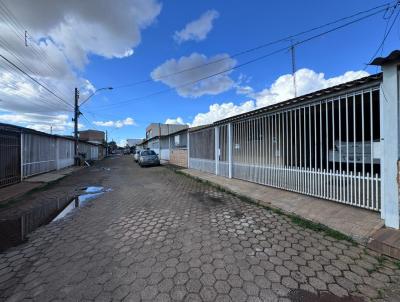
pixel 389 108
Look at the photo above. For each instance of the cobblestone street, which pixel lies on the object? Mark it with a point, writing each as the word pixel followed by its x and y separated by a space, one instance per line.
pixel 161 236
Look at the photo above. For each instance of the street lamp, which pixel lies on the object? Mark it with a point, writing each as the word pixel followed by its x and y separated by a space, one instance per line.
pixel 97 90
pixel 77 113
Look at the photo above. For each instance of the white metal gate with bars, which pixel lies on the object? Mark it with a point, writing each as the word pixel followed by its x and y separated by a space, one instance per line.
pixel 328 148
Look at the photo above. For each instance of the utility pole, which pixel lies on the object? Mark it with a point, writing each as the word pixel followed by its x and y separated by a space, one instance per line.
pixel 159 139
pixel 76 116
pixel 106 143
pixel 294 69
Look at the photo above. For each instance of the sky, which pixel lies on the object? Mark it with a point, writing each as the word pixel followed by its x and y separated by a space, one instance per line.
pixel 155 53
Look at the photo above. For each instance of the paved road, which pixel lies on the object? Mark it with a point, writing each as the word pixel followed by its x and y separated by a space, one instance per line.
pixel 160 236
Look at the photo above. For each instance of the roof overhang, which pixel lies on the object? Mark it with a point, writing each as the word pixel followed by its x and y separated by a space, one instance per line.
pixel 393 57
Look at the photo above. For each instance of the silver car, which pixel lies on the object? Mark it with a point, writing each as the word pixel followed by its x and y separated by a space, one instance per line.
pixel 148 158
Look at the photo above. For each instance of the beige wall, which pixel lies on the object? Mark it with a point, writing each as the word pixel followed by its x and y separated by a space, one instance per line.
pixel 178 157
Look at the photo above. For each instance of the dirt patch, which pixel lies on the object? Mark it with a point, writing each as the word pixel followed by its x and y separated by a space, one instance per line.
pixel 238 214
pixel 206 199
pixel 299 295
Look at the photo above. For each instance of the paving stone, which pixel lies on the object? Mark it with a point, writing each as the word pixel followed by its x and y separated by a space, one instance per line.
pixel 222 287
pixel 238 295
pixel 317 284
pixel 337 290
pixel 165 237
pixel 208 293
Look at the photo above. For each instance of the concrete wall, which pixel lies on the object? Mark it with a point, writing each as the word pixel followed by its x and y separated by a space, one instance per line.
pixel 178 157
pixel 92 135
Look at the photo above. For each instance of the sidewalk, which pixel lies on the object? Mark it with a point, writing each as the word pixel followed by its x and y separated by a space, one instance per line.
pixel 32 183
pixel 359 224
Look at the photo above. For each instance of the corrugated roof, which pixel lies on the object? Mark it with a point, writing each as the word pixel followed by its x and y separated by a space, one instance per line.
pixel 307 97
pixel 394 56
pixel 19 129
pixel 197 128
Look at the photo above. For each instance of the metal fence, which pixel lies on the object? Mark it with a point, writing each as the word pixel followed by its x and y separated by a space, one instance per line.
pixel 65 149
pixel 26 152
pixel 10 158
pixel 222 151
pixel 39 154
pixel 202 150
pixel 329 148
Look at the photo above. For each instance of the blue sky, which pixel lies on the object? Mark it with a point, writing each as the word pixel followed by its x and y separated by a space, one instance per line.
pixel 229 27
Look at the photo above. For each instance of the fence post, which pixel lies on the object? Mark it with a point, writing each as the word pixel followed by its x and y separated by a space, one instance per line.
pixel 22 155
pixel 230 150
pixel 58 154
pixel 188 149
pixel 389 123
pixel 216 155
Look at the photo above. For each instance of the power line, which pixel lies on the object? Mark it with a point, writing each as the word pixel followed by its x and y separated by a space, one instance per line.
pixel 247 62
pixel 384 37
pixel 10 69
pixel 18 29
pixel 36 81
pixel 91 123
pixel 18 58
pixel 285 39
pixel 37 51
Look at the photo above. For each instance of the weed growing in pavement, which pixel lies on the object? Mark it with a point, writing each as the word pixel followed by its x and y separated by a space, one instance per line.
pixel 318 227
pixel 294 218
pixel 397 263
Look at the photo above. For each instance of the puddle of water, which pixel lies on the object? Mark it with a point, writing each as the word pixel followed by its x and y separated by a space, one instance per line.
pixel 72 205
pixel 81 200
pixel 299 295
pixel 94 189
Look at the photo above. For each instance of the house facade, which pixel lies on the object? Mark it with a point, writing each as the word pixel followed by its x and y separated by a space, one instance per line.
pixel 339 144
pixel 26 152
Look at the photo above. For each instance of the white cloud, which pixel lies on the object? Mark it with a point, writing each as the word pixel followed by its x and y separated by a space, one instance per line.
pixel 41 122
pixel 117 124
pixel 174 121
pixel 122 143
pixel 219 111
pixel 307 81
pixel 281 89
pixel 197 30
pixel 79 28
pixel 62 34
pixel 213 85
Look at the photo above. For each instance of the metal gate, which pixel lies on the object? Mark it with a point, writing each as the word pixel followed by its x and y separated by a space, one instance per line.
pixel 328 149
pixel 202 150
pixel 223 151
pixel 10 158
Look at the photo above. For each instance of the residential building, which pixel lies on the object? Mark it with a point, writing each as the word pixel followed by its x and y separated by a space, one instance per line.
pixel 340 144
pixel 94 136
pixel 158 129
pixel 26 152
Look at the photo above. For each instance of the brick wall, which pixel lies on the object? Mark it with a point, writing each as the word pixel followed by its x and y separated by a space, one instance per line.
pixel 178 157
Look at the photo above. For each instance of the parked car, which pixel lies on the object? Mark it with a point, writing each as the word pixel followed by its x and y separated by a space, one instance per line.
pixel 148 158
pixel 136 155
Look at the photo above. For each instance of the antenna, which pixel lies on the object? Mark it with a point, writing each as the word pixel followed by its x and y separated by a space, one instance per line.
pixel 294 68
pixel 26 38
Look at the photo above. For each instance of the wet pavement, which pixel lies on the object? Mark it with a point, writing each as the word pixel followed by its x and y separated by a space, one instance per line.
pixel 160 236
pixel 87 195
